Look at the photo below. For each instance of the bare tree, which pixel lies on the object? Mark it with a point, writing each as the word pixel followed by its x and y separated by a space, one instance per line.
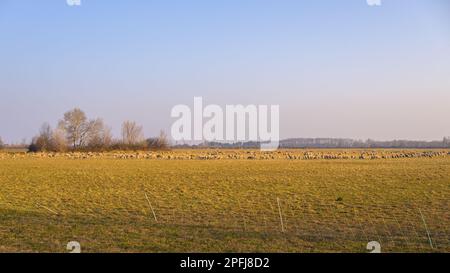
pixel 100 136
pixel 2 145
pixel 159 143
pixel 45 137
pixel 77 127
pixel 59 140
pixel 46 133
pixel 74 130
pixel 43 142
pixel 132 134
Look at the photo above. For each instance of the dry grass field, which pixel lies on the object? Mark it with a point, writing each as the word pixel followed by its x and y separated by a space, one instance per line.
pixel 226 201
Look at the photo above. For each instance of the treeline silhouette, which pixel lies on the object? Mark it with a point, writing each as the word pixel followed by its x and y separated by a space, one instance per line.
pixel 351 143
pixel 75 132
pixel 329 143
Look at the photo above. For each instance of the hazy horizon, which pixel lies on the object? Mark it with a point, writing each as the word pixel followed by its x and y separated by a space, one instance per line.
pixel 338 69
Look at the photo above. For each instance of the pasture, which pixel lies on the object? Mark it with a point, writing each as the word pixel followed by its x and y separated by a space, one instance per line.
pixel 288 201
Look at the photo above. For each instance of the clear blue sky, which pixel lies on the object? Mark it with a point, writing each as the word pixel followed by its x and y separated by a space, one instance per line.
pixel 336 68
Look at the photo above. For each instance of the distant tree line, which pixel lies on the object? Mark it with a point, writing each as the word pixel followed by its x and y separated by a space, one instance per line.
pixel 328 143
pixel 369 143
pixel 75 132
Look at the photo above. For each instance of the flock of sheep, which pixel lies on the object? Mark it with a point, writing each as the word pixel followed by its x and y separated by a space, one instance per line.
pixel 240 155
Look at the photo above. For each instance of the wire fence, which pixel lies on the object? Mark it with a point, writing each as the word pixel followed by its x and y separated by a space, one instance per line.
pixel 335 226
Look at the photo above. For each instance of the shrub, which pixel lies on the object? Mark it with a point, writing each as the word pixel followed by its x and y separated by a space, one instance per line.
pixel 159 143
pixel 48 140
